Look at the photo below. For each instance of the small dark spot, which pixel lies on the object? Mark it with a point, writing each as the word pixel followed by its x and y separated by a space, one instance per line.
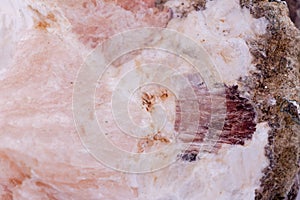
pixel 289 108
pixel 200 84
pixel 190 157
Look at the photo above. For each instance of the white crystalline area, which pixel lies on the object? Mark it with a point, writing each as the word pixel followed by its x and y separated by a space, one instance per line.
pixel 41 155
pixel 13 22
pixel 233 173
pixel 223 29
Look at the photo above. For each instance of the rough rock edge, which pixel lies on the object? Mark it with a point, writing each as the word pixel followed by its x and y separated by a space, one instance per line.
pixel 294 7
pixel 277 59
pixel 185 7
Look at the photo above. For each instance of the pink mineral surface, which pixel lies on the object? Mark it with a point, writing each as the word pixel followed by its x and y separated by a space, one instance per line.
pixel 44 45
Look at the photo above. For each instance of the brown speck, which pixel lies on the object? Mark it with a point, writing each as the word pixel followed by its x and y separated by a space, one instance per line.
pixel 199 4
pixel 148 101
pixel 43 21
pixel 52 17
pixel 15 181
pixel 42 25
pixel 41 184
pixel 142 144
pixel 158 137
pixel 164 95
pixel 37 12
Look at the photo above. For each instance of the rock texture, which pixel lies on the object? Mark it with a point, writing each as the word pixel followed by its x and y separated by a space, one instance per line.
pixel 294 8
pixel 277 58
pixel 254 46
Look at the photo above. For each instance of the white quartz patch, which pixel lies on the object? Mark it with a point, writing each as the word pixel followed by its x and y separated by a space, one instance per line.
pixel 233 173
pixel 14 19
pixel 224 29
